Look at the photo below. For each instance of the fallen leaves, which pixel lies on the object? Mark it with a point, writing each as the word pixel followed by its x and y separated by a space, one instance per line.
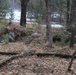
pixel 32 65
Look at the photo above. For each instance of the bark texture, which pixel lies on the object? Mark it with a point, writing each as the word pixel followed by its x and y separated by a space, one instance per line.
pixel 24 4
pixel 48 23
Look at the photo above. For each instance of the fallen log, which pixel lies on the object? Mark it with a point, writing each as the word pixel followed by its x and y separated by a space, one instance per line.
pixel 16 56
pixel 30 53
pixel 8 53
pixel 9 59
pixel 54 54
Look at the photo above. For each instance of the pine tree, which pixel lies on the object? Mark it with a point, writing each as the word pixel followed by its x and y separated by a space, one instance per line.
pixel 4 7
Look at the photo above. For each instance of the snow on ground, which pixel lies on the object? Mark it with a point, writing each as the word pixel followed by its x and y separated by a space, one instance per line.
pixel 17 15
pixel 29 21
pixel 55 25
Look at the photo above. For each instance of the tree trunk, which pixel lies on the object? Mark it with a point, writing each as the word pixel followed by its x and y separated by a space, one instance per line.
pixel 71 19
pixel 72 40
pixel 68 14
pixel 24 4
pixel 73 22
pixel 48 23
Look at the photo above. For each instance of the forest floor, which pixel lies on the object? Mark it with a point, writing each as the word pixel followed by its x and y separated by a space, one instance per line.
pixel 34 65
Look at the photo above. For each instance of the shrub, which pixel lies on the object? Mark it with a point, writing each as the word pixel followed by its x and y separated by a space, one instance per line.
pixel 63 36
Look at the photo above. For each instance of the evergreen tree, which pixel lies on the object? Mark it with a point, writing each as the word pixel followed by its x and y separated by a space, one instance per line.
pixel 4 7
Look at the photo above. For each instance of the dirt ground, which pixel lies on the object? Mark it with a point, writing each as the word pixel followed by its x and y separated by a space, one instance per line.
pixel 33 65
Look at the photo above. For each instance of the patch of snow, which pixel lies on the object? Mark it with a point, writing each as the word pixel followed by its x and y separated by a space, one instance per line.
pixel 31 22
pixel 28 19
pixel 17 15
pixel 55 25
pixel 8 16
